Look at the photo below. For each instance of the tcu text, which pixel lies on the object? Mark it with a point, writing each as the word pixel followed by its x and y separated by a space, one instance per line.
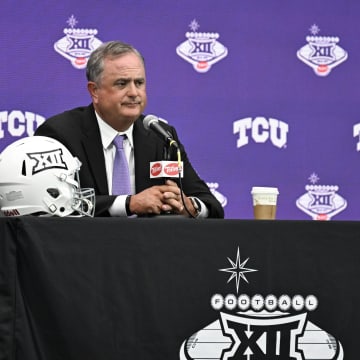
pixel 356 133
pixel 18 123
pixel 261 130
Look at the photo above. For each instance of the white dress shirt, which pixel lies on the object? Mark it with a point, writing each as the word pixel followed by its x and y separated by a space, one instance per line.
pixel 108 134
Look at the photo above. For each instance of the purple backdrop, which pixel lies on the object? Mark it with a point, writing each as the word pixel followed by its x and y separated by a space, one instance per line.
pixel 263 93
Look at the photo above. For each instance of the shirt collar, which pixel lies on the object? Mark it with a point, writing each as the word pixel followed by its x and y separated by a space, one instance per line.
pixel 108 133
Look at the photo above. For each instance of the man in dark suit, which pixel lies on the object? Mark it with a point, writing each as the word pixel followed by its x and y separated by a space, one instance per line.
pixel 117 85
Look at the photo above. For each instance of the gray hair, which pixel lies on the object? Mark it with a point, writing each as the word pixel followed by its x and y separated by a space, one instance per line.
pixel 95 64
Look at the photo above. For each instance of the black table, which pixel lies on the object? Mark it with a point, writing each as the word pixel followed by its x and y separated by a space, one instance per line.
pixel 173 288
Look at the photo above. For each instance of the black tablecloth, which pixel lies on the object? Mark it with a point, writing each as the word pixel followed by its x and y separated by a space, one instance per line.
pixel 110 289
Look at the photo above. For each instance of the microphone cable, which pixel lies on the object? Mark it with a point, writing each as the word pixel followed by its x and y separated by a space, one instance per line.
pixel 180 182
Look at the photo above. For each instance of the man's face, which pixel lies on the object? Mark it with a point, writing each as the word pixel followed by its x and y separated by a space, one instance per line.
pixel 120 96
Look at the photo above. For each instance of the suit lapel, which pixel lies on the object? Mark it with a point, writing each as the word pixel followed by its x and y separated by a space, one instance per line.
pixel 94 150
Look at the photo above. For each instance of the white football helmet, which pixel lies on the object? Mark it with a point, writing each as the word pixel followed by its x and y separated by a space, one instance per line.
pixel 39 176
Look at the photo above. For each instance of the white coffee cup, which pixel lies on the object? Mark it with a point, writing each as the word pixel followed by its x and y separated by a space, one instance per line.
pixel 264 202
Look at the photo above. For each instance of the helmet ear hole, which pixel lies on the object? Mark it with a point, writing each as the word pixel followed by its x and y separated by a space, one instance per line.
pixel 53 192
pixel 23 170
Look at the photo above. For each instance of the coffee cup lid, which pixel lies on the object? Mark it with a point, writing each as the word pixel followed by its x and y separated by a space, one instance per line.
pixel 264 190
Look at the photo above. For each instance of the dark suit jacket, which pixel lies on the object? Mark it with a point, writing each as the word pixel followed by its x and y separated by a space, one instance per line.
pixel 78 130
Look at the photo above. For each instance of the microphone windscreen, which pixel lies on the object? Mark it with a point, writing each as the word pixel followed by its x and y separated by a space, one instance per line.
pixel 148 120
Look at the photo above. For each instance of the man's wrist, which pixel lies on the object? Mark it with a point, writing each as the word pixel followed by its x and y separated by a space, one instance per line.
pixel 196 205
pixel 127 206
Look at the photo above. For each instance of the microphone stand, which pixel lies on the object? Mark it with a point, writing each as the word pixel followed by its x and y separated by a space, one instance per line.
pixel 167 156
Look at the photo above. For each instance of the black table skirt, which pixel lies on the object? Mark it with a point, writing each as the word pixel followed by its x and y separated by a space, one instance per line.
pixel 173 288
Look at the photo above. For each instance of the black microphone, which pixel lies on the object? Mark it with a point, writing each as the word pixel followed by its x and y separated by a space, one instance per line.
pixel 152 122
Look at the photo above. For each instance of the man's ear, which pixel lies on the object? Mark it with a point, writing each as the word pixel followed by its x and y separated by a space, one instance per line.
pixel 92 88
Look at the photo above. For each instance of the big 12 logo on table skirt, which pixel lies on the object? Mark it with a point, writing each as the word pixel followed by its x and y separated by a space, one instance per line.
pixel 261 327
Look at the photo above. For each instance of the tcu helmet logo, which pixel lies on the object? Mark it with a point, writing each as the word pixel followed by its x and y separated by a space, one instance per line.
pixel 47 160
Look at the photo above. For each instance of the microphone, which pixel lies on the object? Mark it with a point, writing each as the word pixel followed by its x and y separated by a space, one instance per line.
pixel 152 122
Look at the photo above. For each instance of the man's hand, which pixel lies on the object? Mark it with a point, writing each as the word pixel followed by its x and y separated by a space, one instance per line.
pixel 160 198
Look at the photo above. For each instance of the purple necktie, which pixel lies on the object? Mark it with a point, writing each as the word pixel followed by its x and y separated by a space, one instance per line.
pixel 121 177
